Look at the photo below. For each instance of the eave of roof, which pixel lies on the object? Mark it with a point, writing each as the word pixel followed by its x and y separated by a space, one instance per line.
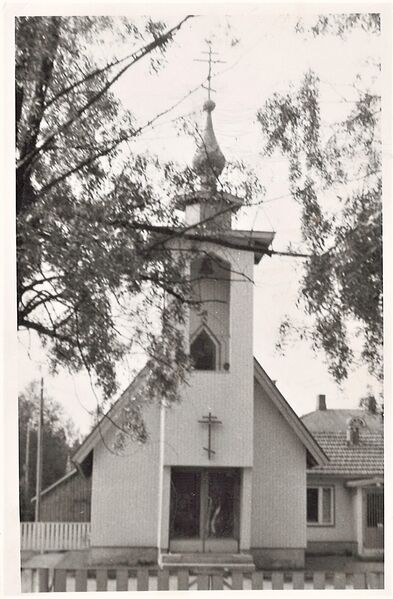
pixel 257 242
pixel 55 484
pixel 365 482
pixel 104 424
pixel 289 415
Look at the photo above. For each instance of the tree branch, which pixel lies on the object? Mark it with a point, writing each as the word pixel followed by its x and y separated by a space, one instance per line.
pixel 138 56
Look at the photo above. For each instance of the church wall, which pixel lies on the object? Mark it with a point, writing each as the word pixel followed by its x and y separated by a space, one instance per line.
pixel 228 394
pixel 124 510
pixel 279 484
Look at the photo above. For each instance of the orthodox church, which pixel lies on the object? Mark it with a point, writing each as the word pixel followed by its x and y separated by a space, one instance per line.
pixel 222 477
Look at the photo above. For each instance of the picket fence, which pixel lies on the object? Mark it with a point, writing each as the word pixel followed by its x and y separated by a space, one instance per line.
pixel 54 536
pixel 152 579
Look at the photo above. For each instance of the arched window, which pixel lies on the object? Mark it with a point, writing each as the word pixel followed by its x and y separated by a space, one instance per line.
pixel 204 352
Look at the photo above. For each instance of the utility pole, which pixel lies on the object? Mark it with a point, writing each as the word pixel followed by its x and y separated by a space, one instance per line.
pixel 39 456
pixel 27 464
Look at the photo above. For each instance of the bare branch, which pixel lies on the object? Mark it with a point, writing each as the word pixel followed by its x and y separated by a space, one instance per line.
pixel 138 56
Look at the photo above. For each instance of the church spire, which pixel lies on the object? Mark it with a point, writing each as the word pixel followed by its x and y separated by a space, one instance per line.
pixel 209 161
pixel 205 203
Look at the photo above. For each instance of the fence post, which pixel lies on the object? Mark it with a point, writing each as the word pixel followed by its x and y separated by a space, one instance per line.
pixel 80 580
pixel 142 579
pixel 374 580
pixel 277 580
pixel 298 580
pixel 43 580
pixel 101 579
pixel 182 580
pixel 339 580
pixel 359 580
pixel 60 582
pixel 257 580
pixel 217 582
pixel 163 580
pixel 319 580
pixel 122 580
pixel 237 580
pixel 203 582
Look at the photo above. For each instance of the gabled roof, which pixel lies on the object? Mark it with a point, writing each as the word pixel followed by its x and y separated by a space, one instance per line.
pixel 314 450
pixel 106 421
pixel 363 459
pixel 56 483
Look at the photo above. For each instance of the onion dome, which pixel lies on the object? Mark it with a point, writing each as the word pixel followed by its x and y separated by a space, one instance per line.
pixel 209 161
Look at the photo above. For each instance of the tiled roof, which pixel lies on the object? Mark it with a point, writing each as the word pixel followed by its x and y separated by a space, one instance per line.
pixel 366 458
pixel 335 421
pixel 329 429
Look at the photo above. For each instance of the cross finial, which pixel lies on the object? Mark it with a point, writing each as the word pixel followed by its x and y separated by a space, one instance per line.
pixel 209 76
pixel 210 62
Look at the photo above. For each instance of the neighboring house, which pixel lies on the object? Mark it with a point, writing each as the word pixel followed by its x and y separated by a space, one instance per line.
pixel 345 500
pixel 67 500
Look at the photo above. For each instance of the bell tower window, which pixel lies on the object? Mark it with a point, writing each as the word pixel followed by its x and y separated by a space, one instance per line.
pixel 210 315
pixel 203 351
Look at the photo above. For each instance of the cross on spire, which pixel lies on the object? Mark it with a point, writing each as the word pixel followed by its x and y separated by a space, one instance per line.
pixel 210 62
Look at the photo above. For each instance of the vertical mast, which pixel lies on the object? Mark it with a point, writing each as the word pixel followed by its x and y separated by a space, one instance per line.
pixel 27 464
pixel 39 456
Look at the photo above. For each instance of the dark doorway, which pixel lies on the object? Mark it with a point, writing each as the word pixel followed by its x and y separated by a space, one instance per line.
pixel 204 509
pixel 373 509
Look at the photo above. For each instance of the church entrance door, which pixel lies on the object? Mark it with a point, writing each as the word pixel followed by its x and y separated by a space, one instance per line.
pixel 204 510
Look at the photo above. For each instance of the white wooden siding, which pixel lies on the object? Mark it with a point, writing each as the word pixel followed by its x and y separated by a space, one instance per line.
pixel 279 480
pixel 124 510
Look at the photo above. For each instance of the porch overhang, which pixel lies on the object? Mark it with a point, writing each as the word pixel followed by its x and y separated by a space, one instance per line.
pixel 376 481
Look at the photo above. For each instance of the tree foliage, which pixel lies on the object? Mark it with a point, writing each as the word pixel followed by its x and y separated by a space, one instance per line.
pixel 339 163
pixel 87 210
pixel 60 440
pixel 371 404
pixel 102 271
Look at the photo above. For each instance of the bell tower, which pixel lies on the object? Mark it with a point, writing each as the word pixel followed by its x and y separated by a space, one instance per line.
pixel 210 209
pixel 207 440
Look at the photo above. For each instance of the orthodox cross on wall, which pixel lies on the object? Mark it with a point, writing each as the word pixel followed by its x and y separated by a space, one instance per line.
pixel 210 421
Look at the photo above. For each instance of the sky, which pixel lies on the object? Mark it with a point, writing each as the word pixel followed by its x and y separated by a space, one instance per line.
pixel 263 54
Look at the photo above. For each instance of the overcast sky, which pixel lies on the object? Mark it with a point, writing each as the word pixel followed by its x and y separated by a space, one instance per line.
pixel 262 55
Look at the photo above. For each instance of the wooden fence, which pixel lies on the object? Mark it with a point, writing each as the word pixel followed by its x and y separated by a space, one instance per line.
pixel 152 579
pixel 55 536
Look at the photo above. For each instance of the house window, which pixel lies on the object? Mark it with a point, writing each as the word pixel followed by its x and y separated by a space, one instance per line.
pixel 204 352
pixel 375 511
pixel 320 505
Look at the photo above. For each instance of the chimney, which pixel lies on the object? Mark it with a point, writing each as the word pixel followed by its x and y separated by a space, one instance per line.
pixel 321 402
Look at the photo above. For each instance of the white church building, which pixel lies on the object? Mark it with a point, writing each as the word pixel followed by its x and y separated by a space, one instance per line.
pixel 222 476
